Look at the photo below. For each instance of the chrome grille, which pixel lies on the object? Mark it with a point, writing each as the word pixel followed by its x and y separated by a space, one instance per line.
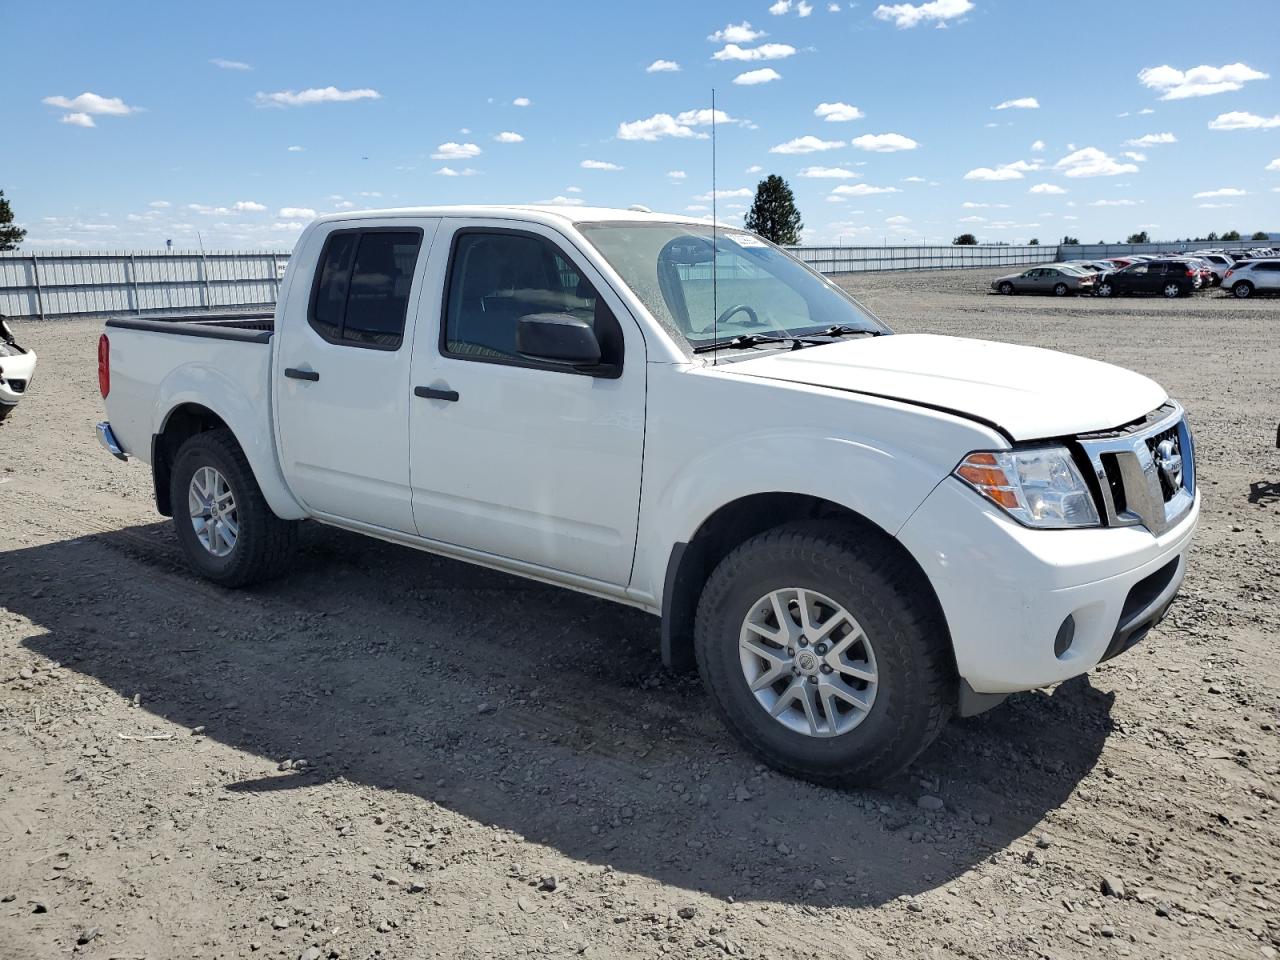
pixel 1145 470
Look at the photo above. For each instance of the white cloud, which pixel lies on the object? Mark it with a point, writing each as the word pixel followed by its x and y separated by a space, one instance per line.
pixel 456 151
pixel 753 77
pixel 303 98
pixel 506 136
pixel 521 102
pixel 290 227
pixel 725 194
pixel 296 149
pixel 1092 162
pixel 248 206
pixel 369 193
pixel 1221 192
pixel 861 190
pixel 562 201
pixel 676 175
pixel 450 172
pixel 1006 171
pixel 572 189
pixel 1046 188
pixel 93 104
pixel 654 128
pixel 160 204
pixel 906 15
pixel 803 9
pixel 883 142
pixel 1113 203
pixel 663 66
pixel 1214 206
pixel 737 33
pixel 344 205
pixel 1135 156
pixel 78 119
pixel 754 168
pixel 230 64
pixel 913 180
pixel 1239 120
pixel 1201 81
pixel 1274 164
pixel 897 221
pixel 838 112
pixel 970 205
pixel 702 117
pixel 1144 111
pixel 1151 140
pixel 766 51
pixel 972 220
pixel 1022 103
pixel 598 165
pixel 296 213
pixel 1037 147
pixel 829 173
pixel 806 144
pixel 780 7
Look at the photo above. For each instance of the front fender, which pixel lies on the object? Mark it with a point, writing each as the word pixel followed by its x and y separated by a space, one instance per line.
pixel 244 405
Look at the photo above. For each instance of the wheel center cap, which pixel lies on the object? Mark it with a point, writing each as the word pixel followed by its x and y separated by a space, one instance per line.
pixel 807 661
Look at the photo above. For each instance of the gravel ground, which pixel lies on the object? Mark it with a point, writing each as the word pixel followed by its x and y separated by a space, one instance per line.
pixel 390 755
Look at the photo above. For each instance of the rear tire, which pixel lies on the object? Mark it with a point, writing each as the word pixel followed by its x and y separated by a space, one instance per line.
pixel 1060 290
pixel 243 542
pixel 1006 288
pixel 904 645
pixel 1171 291
pixel 1242 290
pixel 1105 289
pixel 6 409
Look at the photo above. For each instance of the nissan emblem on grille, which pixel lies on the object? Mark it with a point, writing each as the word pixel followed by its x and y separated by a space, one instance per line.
pixel 1169 460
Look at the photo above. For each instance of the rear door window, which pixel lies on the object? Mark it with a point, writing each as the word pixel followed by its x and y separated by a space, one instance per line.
pixel 361 293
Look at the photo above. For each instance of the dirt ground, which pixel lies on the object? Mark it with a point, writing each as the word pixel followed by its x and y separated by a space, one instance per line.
pixel 390 755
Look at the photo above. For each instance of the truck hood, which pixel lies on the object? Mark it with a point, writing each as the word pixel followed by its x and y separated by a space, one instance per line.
pixel 1027 392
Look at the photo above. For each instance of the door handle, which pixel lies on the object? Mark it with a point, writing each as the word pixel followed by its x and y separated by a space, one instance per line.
pixel 431 393
pixel 293 373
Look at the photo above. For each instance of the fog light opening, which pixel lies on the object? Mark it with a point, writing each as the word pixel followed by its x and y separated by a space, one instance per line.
pixel 1066 634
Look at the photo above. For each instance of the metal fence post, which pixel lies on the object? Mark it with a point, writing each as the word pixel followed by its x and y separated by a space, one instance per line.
pixel 35 272
pixel 204 276
pixel 275 275
pixel 133 279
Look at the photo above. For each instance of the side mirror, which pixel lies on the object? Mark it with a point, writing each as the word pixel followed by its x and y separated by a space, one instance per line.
pixel 557 338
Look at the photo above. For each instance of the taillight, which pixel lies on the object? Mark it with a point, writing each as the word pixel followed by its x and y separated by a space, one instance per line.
pixel 104 365
pixel 1191 273
pixel 1227 274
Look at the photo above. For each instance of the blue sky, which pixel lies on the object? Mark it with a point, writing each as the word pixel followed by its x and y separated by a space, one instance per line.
pixel 131 124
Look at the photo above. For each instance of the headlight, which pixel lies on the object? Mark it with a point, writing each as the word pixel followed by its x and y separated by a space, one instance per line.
pixel 1039 487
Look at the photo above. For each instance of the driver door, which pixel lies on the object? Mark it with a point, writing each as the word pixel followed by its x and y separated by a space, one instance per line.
pixel 517 458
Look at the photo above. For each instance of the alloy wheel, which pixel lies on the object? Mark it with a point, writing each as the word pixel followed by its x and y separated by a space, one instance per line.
pixel 213 511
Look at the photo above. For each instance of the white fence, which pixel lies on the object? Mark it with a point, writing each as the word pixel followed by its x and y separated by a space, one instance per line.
pixel 48 285
pixel 55 285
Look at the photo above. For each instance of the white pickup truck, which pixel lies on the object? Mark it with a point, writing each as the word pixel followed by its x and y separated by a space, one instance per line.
pixel 854 534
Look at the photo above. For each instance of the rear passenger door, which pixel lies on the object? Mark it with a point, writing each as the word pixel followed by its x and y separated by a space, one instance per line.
pixel 517 458
pixel 342 371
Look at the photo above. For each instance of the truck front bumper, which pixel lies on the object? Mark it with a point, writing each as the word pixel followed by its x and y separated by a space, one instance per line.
pixel 1028 608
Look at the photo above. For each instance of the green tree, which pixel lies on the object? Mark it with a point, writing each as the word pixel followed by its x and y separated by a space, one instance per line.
pixel 1139 237
pixel 1033 242
pixel 1260 235
pixel 965 240
pixel 10 235
pixel 1069 241
pixel 1211 236
pixel 1231 235
pixel 773 215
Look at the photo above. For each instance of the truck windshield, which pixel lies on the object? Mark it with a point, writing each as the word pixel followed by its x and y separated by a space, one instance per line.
pixel 759 288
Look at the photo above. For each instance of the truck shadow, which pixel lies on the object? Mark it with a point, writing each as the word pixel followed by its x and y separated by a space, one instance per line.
pixel 531 709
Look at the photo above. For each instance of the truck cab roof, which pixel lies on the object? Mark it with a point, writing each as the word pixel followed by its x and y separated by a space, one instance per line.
pixel 548 214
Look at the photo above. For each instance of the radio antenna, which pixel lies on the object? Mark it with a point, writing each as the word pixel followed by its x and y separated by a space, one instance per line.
pixel 715 303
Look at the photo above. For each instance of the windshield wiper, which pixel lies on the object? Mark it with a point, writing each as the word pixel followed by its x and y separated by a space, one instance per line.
pixel 841 330
pixel 742 341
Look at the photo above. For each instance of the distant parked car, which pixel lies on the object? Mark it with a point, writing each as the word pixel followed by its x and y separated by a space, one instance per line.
pixel 1091 266
pixel 1118 263
pixel 1219 263
pixel 1171 278
pixel 1253 276
pixel 17 365
pixel 1058 279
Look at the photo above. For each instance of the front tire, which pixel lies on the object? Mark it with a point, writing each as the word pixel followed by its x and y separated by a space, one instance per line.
pixel 226 528
pixel 1006 288
pixel 1105 289
pixel 1242 290
pixel 825 653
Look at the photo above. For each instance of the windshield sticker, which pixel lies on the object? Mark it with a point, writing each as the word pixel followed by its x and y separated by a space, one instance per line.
pixel 746 240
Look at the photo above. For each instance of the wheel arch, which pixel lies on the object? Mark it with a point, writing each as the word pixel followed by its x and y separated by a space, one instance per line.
pixel 690 562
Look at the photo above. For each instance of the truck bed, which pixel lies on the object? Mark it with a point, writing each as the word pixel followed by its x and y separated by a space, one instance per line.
pixel 245 327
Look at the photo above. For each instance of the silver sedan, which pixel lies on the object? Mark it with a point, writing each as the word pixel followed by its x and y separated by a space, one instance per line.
pixel 1058 279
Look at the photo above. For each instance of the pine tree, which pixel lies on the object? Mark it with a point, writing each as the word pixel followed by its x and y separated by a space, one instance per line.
pixel 773 215
pixel 10 235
